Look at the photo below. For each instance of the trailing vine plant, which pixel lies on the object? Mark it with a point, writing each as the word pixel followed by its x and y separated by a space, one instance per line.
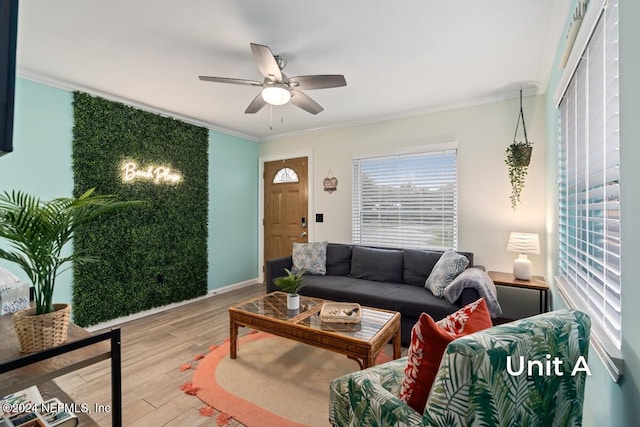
pixel 518 156
pixel 517 161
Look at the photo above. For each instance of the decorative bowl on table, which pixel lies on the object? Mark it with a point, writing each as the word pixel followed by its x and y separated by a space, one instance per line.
pixel 340 312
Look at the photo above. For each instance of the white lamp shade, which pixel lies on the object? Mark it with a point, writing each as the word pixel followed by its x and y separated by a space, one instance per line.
pixel 276 95
pixel 524 243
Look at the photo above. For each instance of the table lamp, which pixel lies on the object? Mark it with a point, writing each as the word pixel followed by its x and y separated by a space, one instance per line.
pixel 523 243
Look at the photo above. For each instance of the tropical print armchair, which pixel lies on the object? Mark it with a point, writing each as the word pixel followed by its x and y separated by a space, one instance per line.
pixel 530 372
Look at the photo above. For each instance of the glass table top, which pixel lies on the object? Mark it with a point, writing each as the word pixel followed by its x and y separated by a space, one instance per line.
pixel 274 306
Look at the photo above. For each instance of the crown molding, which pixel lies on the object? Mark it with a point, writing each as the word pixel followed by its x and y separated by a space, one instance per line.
pixel 503 95
pixel 496 97
pixel 70 86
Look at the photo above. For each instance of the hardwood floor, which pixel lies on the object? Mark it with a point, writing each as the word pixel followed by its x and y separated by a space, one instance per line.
pixel 153 350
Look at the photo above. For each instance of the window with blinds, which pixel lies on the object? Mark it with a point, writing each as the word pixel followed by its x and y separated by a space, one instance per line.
pixel 589 184
pixel 407 201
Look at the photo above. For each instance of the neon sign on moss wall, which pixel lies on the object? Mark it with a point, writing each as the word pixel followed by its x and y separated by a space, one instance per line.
pixel 158 174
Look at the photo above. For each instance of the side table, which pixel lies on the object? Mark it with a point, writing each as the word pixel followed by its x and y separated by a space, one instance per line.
pixel 18 371
pixel 536 283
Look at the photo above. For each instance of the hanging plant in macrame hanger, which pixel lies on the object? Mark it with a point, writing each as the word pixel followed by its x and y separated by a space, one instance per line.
pixel 518 158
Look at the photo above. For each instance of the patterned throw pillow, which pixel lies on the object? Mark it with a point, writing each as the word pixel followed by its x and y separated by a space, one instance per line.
pixel 471 318
pixel 310 257
pixel 429 339
pixel 446 269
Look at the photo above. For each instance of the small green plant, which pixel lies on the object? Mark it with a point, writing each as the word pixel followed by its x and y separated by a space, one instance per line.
pixel 518 157
pixel 291 283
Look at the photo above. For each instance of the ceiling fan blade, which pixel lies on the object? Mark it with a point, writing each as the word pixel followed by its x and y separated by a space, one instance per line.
pixel 266 62
pixel 256 105
pixel 317 82
pixel 228 80
pixel 301 100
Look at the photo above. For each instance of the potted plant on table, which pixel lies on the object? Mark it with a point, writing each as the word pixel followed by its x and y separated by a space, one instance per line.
pixel 291 283
pixel 36 232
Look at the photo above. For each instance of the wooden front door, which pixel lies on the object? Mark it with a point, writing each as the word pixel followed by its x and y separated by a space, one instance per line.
pixel 285 206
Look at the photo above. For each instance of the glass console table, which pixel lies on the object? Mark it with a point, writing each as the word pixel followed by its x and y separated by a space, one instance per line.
pixel 82 349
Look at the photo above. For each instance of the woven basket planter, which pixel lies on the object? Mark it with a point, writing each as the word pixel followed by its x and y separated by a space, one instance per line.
pixel 37 332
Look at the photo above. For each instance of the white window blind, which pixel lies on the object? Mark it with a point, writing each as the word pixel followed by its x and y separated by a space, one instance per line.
pixel 407 201
pixel 589 184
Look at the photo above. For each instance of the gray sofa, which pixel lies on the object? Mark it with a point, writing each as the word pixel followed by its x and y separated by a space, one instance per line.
pixel 391 279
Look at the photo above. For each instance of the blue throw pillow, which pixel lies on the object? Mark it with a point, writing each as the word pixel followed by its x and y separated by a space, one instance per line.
pixel 446 269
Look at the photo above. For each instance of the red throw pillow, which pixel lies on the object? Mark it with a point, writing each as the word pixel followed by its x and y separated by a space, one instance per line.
pixel 428 342
pixel 471 318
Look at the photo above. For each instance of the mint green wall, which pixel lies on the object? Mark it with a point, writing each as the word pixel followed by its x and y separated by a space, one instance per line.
pixel 41 159
pixel 608 403
pixel 233 209
pixel 41 164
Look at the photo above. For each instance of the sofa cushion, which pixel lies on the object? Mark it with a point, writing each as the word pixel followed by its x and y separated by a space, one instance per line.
pixel 428 343
pixel 418 264
pixel 338 259
pixel 381 265
pixel 347 289
pixel 412 301
pixel 446 269
pixel 310 257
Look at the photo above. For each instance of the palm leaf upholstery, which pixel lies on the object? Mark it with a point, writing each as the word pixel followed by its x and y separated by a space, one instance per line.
pixel 475 386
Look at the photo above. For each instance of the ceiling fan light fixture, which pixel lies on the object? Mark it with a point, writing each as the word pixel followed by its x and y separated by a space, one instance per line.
pixel 276 95
pixel 277 88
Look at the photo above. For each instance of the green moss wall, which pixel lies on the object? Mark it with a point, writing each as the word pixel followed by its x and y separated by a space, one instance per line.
pixel 41 163
pixel 149 255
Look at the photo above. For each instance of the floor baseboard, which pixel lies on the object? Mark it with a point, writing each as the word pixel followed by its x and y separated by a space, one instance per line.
pixel 212 293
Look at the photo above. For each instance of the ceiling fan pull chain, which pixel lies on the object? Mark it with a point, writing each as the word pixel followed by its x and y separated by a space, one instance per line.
pixel 270 117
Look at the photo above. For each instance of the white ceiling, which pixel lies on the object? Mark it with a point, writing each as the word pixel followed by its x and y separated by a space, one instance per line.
pixel 399 58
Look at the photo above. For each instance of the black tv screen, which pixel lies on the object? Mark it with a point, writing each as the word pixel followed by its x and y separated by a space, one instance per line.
pixel 8 38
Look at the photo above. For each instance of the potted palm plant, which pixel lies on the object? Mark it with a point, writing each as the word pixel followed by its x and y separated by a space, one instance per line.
pixel 36 232
pixel 291 283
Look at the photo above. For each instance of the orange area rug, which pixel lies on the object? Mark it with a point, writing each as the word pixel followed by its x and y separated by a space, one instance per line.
pixel 272 382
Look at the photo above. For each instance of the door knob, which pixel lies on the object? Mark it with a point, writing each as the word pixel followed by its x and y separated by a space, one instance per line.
pixel 304 234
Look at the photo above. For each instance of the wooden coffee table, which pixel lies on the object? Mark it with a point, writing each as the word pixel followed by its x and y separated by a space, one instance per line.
pixel 361 342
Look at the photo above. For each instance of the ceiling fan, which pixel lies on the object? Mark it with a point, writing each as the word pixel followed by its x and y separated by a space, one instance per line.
pixel 277 88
